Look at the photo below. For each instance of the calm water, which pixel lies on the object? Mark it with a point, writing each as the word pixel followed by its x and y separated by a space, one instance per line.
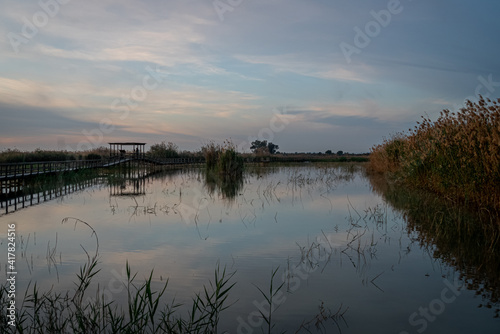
pixel 334 237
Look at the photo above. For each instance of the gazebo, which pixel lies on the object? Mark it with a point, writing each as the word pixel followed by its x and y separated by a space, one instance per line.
pixel 127 149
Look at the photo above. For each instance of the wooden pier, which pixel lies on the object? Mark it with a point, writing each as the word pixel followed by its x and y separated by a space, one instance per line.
pixel 19 181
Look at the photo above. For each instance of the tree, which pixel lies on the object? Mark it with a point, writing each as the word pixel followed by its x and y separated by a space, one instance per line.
pixel 328 152
pixel 272 148
pixel 258 145
pixel 340 152
pixel 262 146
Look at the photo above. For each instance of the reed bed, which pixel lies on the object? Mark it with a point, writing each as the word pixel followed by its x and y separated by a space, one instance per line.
pixel 146 312
pixel 223 159
pixel 39 155
pixel 456 156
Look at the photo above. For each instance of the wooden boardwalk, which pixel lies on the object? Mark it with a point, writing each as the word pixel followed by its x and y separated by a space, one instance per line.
pixel 14 171
pixel 18 188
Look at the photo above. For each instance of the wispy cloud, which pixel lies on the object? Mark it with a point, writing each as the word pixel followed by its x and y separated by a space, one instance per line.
pixel 317 68
pixel 223 78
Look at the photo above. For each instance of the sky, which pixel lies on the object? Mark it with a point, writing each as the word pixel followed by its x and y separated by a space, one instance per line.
pixel 308 75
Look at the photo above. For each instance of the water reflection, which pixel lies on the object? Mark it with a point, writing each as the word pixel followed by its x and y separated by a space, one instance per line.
pixel 128 182
pixel 338 246
pixel 228 186
pixel 22 193
pixel 466 240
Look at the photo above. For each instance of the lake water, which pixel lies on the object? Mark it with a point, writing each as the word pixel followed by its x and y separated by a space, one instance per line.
pixel 338 241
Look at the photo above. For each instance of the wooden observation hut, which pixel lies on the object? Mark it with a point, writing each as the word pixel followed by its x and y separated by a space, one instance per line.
pixel 127 150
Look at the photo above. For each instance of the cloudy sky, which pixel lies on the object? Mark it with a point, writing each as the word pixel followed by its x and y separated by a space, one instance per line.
pixel 309 75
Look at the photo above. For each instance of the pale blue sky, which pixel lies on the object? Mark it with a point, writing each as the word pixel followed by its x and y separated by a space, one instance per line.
pixel 191 71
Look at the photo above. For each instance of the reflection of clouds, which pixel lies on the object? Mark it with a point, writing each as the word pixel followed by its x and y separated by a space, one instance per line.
pixel 263 224
pixel 333 240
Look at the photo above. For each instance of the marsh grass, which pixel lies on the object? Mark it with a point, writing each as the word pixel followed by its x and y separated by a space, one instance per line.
pixel 38 155
pixel 146 312
pixel 270 297
pixel 223 159
pixel 457 156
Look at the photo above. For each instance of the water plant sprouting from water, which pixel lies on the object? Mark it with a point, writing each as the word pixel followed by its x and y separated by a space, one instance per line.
pixel 71 312
pixel 223 159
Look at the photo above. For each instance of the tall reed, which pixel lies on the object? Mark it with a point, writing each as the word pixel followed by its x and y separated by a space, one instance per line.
pixel 223 159
pixel 457 156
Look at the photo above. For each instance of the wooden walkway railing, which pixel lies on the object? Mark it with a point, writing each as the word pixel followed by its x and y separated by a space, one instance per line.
pixel 175 161
pixel 12 171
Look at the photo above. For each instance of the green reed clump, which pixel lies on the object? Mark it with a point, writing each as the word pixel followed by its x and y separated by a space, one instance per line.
pixel 211 153
pixel 457 155
pixel 223 159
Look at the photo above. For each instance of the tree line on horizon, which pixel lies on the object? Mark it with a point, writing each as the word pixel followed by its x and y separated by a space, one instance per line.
pixel 163 150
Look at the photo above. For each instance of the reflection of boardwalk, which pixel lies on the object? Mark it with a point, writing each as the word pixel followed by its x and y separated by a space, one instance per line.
pixel 26 184
pixel 23 195
pixel 15 171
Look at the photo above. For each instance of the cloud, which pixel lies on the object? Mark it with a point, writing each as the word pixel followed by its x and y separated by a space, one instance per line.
pixel 32 120
pixel 335 120
pixel 224 77
pixel 317 68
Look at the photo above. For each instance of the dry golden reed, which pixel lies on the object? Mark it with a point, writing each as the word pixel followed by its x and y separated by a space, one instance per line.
pixel 457 156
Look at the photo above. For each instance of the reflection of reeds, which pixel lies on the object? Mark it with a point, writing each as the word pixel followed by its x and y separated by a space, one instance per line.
pixel 320 321
pixel 457 156
pixel 228 185
pixel 463 239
